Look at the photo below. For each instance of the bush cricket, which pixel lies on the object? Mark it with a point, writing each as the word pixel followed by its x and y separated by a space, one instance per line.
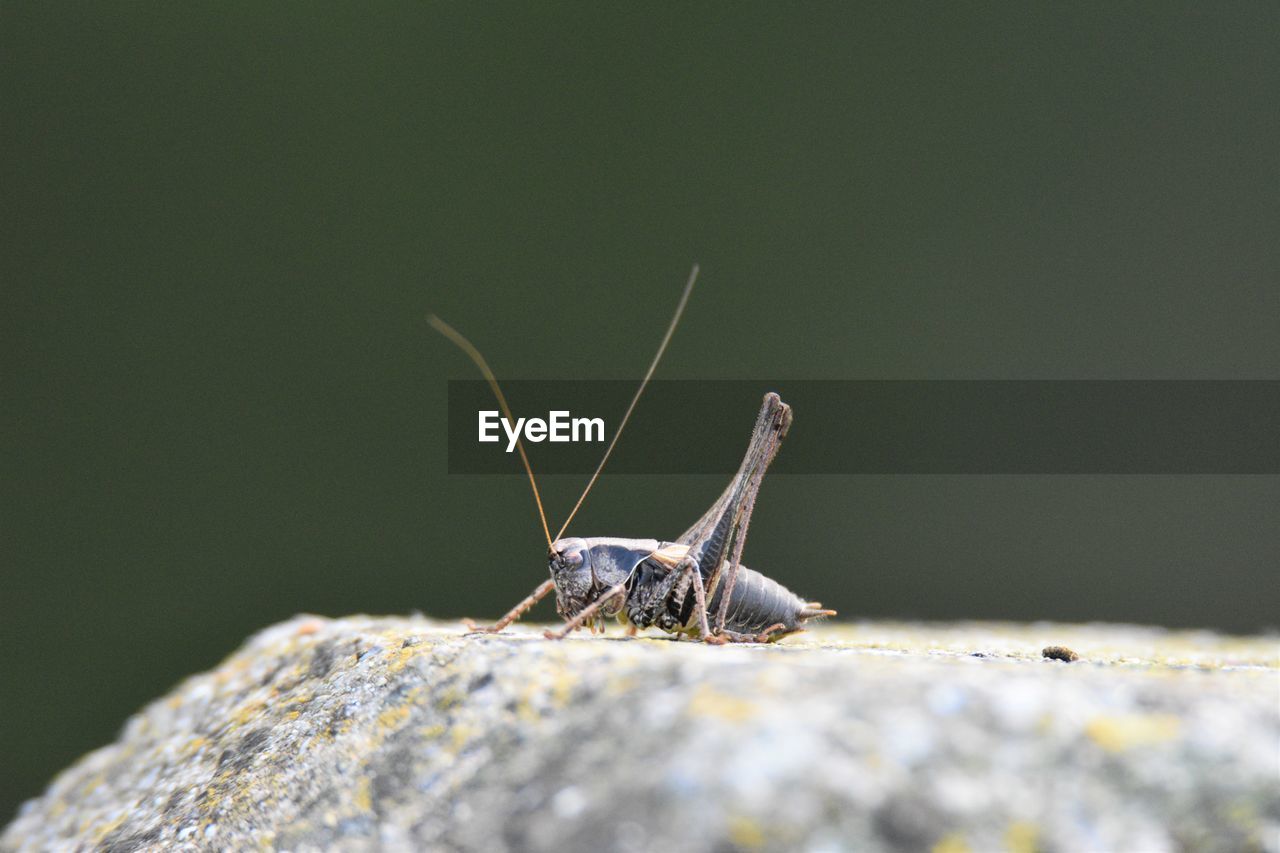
pixel 646 582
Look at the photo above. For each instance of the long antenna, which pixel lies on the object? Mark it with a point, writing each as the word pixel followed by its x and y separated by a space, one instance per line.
pixel 465 345
pixel 662 347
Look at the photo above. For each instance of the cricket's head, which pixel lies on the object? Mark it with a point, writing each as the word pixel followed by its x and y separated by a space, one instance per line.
pixel 570 565
pixel 582 571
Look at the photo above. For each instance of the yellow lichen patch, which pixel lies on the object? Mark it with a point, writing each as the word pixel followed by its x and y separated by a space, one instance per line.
pixel 711 703
pixel 400 657
pixel 393 717
pixel 451 698
pixel 1126 731
pixel 248 711
pixel 210 803
pixel 745 833
pixel 549 684
pixel 100 832
pixel 249 799
pixel 364 795
pixel 562 688
pixel 1021 837
pixel 951 843
pixel 1245 816
pixel 620 684
pixel 341 727
pixel 460 735
pixel 92 784
pixel 432 732
pixel 525 710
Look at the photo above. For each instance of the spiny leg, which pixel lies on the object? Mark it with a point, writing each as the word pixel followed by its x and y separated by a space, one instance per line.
pixel 763 637
pixel 586 613
pixel 689 574
pixel 519 610
pixel 771 428
pixel 735 558
pixel 723 528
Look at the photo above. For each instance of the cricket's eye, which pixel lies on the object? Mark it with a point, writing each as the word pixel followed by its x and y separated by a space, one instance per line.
pixel 567 560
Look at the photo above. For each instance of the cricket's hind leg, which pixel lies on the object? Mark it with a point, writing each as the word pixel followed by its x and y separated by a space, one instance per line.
pixel 778 630
pixel 716 540
pixel 771 634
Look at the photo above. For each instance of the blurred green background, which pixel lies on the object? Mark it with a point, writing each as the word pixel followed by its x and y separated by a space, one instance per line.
pixel 224 223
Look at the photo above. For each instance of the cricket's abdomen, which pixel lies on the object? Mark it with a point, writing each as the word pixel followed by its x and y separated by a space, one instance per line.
pixel 756 604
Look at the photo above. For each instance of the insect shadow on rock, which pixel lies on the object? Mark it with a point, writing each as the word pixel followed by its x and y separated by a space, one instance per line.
pixel 647 582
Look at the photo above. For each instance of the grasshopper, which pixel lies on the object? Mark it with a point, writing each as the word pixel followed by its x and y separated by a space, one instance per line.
pixel 646 582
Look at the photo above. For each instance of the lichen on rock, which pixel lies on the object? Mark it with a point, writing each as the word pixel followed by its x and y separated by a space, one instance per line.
pixel 406 734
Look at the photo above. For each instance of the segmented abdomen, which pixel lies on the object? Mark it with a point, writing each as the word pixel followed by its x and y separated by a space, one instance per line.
pixel 756 603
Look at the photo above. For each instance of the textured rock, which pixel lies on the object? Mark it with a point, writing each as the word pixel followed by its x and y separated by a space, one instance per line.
pixel 401 733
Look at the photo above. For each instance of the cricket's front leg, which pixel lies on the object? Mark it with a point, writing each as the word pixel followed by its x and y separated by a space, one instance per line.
pixel 516 612
pixel 586 613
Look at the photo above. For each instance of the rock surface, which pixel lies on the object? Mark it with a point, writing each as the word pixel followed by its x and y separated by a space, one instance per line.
pixel 404 734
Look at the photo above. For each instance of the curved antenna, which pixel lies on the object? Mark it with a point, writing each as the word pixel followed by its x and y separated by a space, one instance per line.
pixel 474 354
pixel 662 347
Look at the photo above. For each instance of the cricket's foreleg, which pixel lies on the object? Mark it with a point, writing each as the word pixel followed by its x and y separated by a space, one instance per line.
pixel 516 612
pixel 587 612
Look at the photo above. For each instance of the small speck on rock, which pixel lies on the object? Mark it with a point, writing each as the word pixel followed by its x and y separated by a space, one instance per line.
pixel 1061 653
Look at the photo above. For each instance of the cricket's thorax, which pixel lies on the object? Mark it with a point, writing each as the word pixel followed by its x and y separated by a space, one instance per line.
pixel 586 569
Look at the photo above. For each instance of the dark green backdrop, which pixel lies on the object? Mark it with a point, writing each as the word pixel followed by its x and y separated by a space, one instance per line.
pixel 224 222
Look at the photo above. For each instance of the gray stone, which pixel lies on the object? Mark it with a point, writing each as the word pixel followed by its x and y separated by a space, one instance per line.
pixel 404 734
